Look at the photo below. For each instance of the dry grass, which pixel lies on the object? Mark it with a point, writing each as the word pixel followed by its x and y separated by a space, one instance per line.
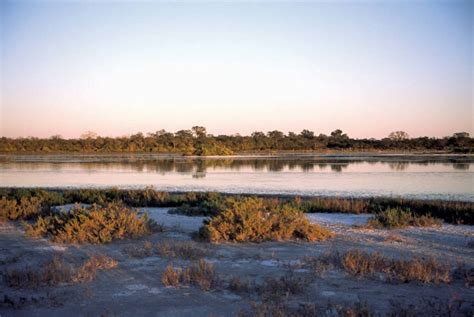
pixel 92 225
pixel 363 264
pixel 257 220
pixel 323 263
pixel 394 238
pixel 400 218
pixel 168 249
pixel 286 309
pixel 57 271
pixel 200 273
pixel 276 288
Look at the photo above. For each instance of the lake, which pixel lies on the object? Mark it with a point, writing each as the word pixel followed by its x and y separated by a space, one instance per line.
pixel 412 176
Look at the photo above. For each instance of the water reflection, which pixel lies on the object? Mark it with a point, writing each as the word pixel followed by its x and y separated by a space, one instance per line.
pixel 414 176
pixel 199 167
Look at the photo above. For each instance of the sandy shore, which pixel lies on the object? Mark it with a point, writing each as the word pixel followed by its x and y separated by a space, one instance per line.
pixel 135 287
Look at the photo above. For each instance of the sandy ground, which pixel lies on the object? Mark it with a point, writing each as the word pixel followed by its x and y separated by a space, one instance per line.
pixel 134 288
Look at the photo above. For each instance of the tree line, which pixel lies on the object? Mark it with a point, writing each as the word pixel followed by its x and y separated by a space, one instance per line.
pixel 197 141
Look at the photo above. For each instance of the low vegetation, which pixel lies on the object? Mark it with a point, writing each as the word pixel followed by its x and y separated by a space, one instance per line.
pixel 211 204
pixel 363 264
pixel 168 249
pixel 26 208
pixel 369 265
pixel 92 225
pixel 257 220
pixel 57 271
pixel 197 141
pixel 200 273
pixel 400 218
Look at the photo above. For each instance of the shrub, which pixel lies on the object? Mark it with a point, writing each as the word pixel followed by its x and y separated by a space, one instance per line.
pixel 57 271
pixel 255 220
pixel 200 273
pixel 176 249
pixel 399 218
pixel 168 249
pixel 28 207
pixel 171 276
pixel 92 225
pixel 275 288
pixel 361 264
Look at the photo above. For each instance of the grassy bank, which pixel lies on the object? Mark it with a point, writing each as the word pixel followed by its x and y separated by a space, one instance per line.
pixel 16 202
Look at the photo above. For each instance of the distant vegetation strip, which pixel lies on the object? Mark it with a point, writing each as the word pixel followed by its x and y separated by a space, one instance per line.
pixel 197 141
pixel 24 203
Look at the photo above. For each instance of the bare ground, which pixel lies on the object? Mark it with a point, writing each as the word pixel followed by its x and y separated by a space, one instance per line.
pixel 135 287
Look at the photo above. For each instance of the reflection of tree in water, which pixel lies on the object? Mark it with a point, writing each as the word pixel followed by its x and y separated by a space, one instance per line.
pixel 276 165
pixel 197 167
pixel 398 166
pixel 461 166
pixel 338 167
pixel 307 166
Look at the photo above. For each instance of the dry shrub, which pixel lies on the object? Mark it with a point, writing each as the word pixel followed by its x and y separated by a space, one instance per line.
pixel 140 250
pixel 57 271
pixel 87 271
pixel 275 288
pixel 200 273
pixel 393 238
pixel 236 285
pixel 92 225
pixel 28 207
pixel 184 250
pixel 171 276
pixel 321 264
pixel 362 264
pixel 257 220
pixel 168 249
pixel 279 309
pixel 400 218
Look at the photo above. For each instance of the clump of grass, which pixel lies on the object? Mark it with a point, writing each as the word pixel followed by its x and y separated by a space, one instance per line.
pixel 57 271
pixel 393 238
pixel 88 270
pixel 275 288
pixel 363 264
pixel 184 250
pixel 26 208
pixel 200 273
pixel 400 218
pixel 168 249
pixel 321 264
pixel 257 220
pixel 237 285
pixel 92 225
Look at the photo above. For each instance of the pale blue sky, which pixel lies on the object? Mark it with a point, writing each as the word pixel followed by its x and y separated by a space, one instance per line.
pixel 116 68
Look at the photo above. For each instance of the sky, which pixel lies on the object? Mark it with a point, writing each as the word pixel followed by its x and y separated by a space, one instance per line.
pixel 117 68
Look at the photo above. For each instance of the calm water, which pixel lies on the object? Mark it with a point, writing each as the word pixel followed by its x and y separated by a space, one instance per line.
pixel 446 177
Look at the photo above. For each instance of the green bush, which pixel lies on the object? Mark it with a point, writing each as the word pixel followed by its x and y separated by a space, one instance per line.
pixel 255 220
pixel 92 225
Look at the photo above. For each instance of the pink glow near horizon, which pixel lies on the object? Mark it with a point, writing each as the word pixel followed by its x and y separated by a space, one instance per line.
pixel 121 68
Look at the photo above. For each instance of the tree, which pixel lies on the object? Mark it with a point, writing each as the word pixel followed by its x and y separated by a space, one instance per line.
pixel 199 132
pixel 338 134
pixel 307 134
pixel 89 135
pixel 398 136
pixel 460 135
